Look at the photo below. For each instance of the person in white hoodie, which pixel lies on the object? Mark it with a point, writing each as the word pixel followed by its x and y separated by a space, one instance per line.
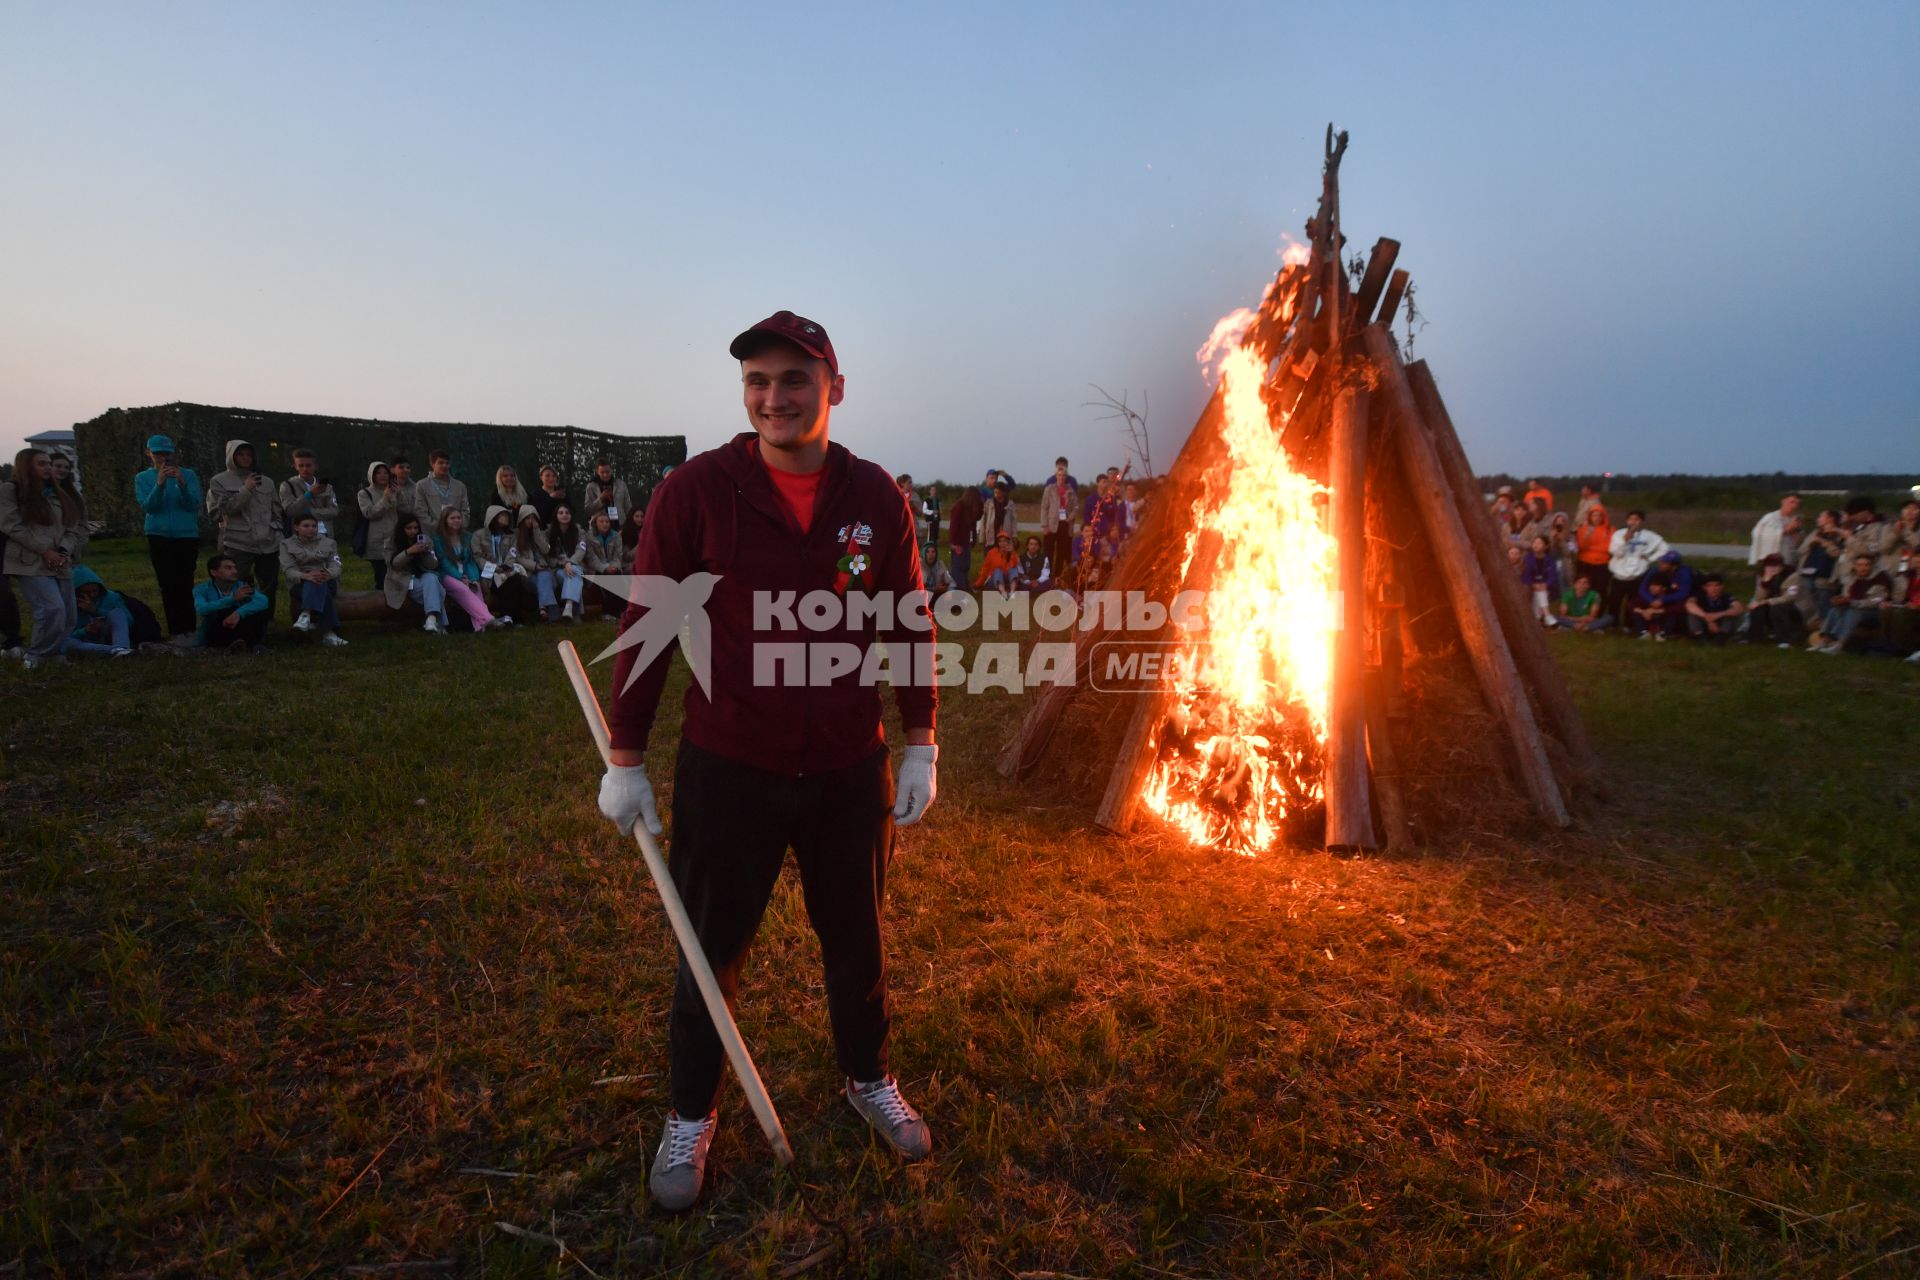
pixel 246 506
pixel 1632 552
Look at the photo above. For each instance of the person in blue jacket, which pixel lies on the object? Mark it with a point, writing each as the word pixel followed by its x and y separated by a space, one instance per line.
pixel 1661 608
pixel 169 494
pixel 233 615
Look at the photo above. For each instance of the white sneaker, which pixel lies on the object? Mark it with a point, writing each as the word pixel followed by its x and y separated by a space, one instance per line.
pixel 304 622
pixel 331 640
pixel 1914 656
pixel 680 1165
pixel 123 653
pixel 1783 645
pixel 891 1116
pixel 569 612
pixel 433 624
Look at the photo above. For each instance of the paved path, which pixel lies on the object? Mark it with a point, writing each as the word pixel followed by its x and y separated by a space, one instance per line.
pixel 1710 551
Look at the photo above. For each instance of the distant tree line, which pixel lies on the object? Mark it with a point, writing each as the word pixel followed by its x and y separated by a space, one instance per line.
pixel 1683 490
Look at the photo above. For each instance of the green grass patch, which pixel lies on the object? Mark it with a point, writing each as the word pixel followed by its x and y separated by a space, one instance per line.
pixel 290 947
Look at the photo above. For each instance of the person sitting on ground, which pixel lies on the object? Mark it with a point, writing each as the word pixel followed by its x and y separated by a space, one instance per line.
pixel 310 563
pixel 1903 538
pixel 509 583
pixel 607 492
pixel 997 567
pixel 1500 511
pixel 630 538
pixel 1867 535
pixel 1538 524
pixel 413 573
pixel 1660 606
pixel 1106 555
pixel 1819 568
pixel 107 621
pixel 564 550
pixel 1517 561
pixel 1630 555
pixel 233 615
pixel 1902 617
pixel 604 556
pixel 549 496
pixel 1580 606
pixel 1773 616
pixel 1592 548
pixel 1034 571
pixel 1561 538
pixel 306 491
pixel 169 498
pixel 1540 575
pixel 1868 591
pixel 529 551
pixel 1713 612
pixel 438 490
pixel 462 578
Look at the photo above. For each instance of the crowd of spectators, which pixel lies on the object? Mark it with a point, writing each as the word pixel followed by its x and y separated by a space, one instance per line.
pixel 1848 581
pixel 526 560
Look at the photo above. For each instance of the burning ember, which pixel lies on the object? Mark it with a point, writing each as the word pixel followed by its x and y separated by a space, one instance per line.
pixel 1240 749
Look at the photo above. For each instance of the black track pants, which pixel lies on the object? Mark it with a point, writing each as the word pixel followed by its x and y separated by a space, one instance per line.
pixel 732 827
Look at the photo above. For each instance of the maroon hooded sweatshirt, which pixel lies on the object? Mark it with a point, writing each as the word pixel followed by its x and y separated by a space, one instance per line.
pixel 718 513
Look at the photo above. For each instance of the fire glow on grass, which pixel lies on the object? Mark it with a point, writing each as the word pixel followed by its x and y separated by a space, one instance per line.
pixel 1241 746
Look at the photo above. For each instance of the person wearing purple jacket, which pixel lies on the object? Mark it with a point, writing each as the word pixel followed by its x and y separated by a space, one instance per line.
pixel 1660 607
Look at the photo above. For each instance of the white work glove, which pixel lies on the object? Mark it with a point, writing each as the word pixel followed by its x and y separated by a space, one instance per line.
pixel 914 792
pixel 625 794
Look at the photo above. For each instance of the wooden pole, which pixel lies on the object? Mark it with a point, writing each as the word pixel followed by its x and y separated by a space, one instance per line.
pixel 1396 290
pixel 1386 768
pixel 716 1001
pixel 1349 809
pixel 1379 267
pixel 1527 637
pixel 1472 604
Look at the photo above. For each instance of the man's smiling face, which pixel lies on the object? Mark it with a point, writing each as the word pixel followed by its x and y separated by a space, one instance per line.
pixel 789 395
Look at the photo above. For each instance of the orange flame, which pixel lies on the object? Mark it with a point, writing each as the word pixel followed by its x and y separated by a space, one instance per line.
pixel 1247 718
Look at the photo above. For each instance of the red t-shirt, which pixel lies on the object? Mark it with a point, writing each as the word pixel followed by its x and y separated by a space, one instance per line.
pixel 796 492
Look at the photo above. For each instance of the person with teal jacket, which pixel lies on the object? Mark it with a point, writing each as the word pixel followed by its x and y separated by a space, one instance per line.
pixel 170 497
pixel 106 627
pixel 233 615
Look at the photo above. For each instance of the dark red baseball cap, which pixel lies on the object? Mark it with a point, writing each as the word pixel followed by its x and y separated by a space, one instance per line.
pixel 788 327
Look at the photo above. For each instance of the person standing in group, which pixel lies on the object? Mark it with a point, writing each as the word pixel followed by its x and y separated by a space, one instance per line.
pixel 508 492
pixel 550 496
pixel 1589 499
pixel 1777 533
pixel 998 517
pixel 438 490
pixel 780 509
pixel 233 616
pixel 311 563
pixel 963 528
pixel 1059 502
pixel 607 492
pixel 67 480
pixel 41 522
pixel 169 496
pixel 1593 548
pixel 247 507
pixel 306 492
pixel 1631 553
pixel 630 538
pixel 384 500
pixel 413 573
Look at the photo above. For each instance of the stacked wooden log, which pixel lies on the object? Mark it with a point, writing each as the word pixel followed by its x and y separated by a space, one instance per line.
pixel 1375 431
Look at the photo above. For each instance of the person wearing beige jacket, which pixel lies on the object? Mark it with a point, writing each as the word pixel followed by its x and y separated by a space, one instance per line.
pixel 413 572
pixel 310 563
pixel 42 524
pixel 246 507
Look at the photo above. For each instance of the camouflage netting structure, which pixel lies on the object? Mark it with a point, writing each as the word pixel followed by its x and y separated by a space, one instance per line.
pixel 110 448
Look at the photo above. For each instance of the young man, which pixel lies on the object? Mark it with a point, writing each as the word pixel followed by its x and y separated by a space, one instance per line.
pixel 307 492
pixel 1059 503
pixel 233 616
pixel 438 491
pixel 606 493
pixel 1580 607
pixel 963 529
pixel 1660 606
pixel 247 507
pixel 1631 553
pixel 169 498
pixel 1867 594
pixel 1713 613
pixel 769 763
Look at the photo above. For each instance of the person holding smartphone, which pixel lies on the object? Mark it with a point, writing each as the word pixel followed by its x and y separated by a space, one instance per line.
pixel 413 574
pixel 169 496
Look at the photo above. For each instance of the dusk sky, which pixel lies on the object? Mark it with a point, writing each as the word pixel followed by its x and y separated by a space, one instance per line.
pixel 1644 237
